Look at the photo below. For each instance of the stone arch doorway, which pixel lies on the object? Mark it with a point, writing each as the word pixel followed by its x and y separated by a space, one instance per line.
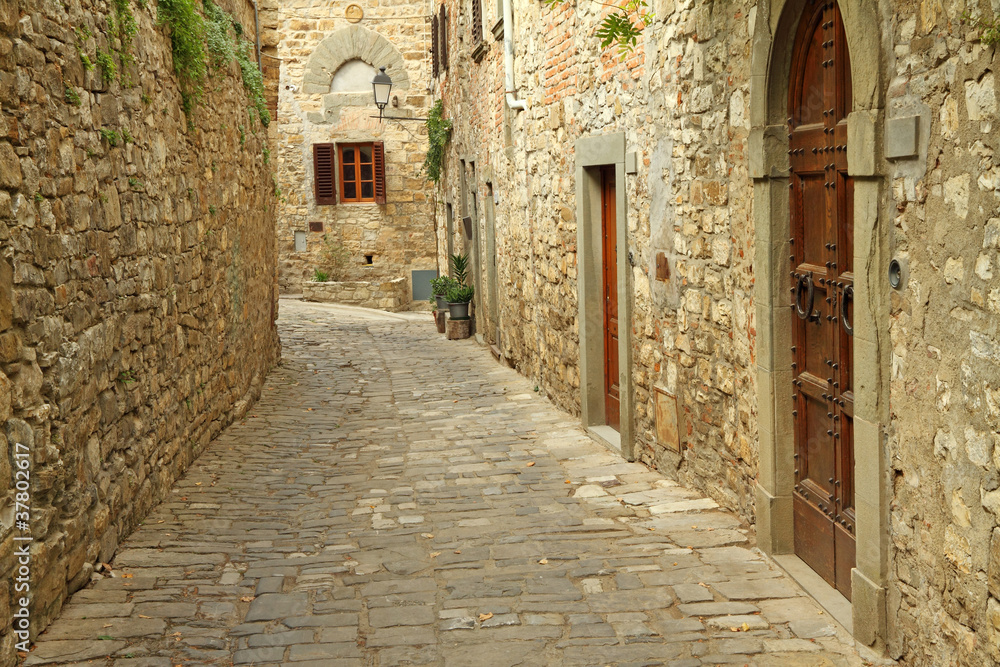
pixel 821 272
pixel 816 85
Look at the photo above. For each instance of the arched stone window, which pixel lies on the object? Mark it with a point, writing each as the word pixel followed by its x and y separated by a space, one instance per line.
pixel 342 67
pixel 354 76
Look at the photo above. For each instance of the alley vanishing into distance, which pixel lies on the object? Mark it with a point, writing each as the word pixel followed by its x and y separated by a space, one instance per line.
pixel 397 498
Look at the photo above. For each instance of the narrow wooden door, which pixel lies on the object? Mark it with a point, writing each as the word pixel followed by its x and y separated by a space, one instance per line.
pixel 609 247
pixel 822 246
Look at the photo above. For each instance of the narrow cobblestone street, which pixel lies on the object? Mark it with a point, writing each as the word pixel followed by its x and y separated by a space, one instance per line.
pixel 396 498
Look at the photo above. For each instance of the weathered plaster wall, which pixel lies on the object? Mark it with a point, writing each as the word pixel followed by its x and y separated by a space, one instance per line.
pixel 683 103
pixel 681 99
pixel 137 283
pixel 400 234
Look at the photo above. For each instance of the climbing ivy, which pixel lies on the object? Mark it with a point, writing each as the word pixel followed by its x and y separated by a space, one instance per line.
pixel 187 39
pixel 216 40
pixel 218 24
pixel 438 134
pixel 619 27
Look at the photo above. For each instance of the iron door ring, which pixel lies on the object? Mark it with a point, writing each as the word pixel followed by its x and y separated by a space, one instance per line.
pixel 805 311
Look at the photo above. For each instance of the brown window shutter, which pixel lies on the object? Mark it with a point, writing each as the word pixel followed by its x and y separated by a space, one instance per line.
pixel 434 46
pixel 378 161
pixel 324 182
pixel 477 21
pixel 443 41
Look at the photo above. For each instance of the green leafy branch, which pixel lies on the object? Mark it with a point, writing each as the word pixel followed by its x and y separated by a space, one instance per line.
pixel 438 134
pixel 622 26
pixel 989 30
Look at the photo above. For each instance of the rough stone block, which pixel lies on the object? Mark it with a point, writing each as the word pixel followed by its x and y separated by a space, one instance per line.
pixel 6 294
pixel 459 329
pixel 861 143
pixel 868 605
pixel 993 570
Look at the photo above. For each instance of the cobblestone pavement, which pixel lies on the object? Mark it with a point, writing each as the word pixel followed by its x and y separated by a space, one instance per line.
pixel 396 498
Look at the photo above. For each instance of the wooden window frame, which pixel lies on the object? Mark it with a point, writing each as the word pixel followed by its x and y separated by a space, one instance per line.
pixel 435 51
pixel 378 173
pixel 443 39
pixel 477 22
pixel 325 174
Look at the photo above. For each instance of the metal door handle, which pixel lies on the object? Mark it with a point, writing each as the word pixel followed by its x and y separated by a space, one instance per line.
pixel 848 295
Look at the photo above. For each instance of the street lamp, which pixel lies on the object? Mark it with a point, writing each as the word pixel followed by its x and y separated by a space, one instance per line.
pixel 382 89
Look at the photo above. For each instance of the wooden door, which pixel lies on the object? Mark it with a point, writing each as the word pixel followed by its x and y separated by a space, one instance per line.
pixel 609 254
pixel 822 246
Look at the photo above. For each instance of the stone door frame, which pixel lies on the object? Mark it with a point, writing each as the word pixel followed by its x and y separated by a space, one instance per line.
pixel 773 40
pixel 592 153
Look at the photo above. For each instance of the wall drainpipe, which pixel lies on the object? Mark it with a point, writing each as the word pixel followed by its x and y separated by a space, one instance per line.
pixel 508 57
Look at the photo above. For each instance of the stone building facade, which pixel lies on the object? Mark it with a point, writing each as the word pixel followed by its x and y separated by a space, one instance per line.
pixel 689 140
pixel 329 52
pixel 138 283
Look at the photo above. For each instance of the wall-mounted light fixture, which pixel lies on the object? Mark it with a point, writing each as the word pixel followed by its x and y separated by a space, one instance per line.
pixel 382 89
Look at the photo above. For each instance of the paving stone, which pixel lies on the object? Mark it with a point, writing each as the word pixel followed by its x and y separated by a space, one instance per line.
pixel 716 608
pixel 692 593
pixel 387 617
pixel 323 651
pixel 281 638
pixel 271 606
pixel 756 590
pixel 256 656
pixel 54 651
pixel 751 622
pixel 97 610
pixel 377 499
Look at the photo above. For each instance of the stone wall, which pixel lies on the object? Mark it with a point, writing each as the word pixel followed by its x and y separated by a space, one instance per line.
pixel 137 281
pixel 380 241
pixel 391 295
pixel 683 102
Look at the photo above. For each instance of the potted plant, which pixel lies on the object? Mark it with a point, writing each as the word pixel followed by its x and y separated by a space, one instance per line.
pixel 459 297
pixel 459 294
pixel 439 290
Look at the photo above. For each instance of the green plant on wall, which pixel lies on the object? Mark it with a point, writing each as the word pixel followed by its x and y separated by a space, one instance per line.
pixel 216 40
pixel 619 27
pixel 989 29
pixel 187 41
pixel 438 134
pixel 335 257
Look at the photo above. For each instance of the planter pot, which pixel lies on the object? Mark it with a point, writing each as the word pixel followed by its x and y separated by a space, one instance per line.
pixel 440 319
pixel 458 311
pixel 442 302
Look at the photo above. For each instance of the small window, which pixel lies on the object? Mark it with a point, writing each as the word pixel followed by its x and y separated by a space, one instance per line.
pixel 477 22
pixel 362 173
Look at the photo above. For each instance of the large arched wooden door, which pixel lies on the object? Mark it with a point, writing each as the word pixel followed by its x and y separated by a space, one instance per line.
pixel 822 245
